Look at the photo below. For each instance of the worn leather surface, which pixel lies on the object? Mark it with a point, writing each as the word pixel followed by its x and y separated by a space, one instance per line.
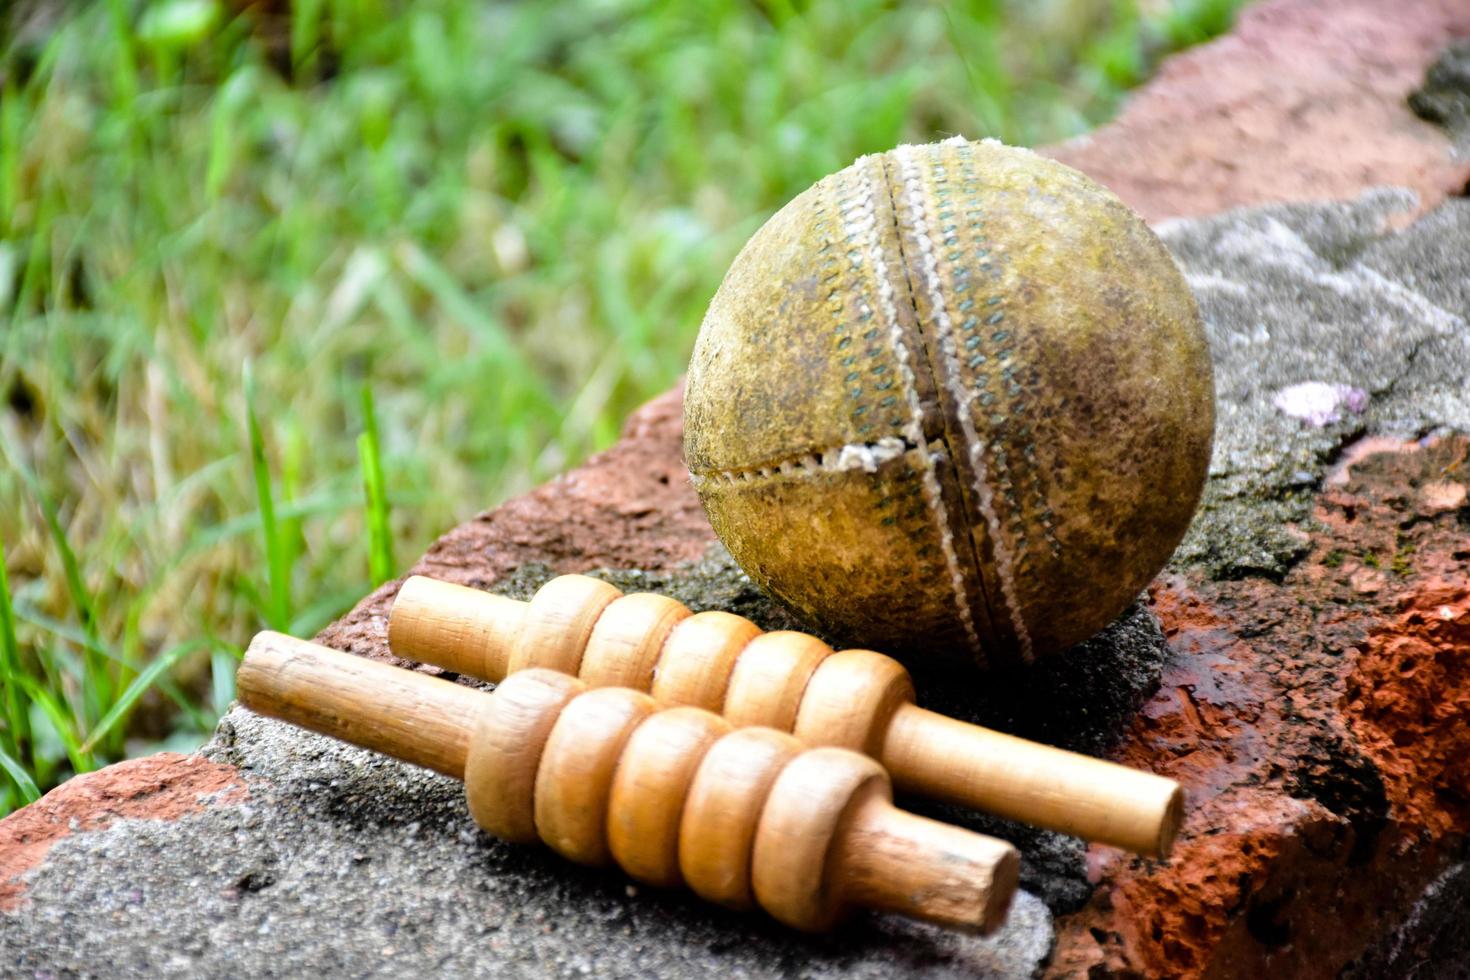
pixel 957 392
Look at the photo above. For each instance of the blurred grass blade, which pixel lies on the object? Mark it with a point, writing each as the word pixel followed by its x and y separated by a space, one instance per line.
pixel 80 597
pixel 96 681
pixel 125 64
pixel 17 727
pixel 306 25
pixel 278 563
pixel 224 660
pixel 150 675
pixel 292 455
pixel 19 777
pixel 226 117
pixel 369 452
pixel 451 297
pixel 63 723
pixel 11 122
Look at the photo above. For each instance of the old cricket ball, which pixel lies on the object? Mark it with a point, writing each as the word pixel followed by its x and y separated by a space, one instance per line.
pixel 953 397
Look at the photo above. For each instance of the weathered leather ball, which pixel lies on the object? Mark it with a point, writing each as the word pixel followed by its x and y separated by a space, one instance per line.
pixel 954 396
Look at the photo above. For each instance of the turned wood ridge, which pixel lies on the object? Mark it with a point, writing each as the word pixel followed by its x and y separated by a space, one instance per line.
pixel 855 699
pixel 743 817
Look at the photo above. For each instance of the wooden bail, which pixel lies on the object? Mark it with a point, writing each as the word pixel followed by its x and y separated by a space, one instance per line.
pixel 673 796
pixel 855 699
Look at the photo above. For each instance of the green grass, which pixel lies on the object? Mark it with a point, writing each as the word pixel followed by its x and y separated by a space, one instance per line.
pixel 283 295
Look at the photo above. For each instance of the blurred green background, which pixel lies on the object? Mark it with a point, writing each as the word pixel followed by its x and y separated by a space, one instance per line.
pixel 286 289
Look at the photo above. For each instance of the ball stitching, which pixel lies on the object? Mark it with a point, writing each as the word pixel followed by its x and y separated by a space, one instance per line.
pixel 912 185
pixel 915 430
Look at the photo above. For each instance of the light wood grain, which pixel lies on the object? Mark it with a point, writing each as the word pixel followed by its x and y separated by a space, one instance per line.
pixel 509 740
pixel 854 698
pixel 798 828
pixel 850 700
pixel 649 789
pixel 462 630
pixel 343 696
pixel 889 859
pixel 557 623
pixel 717 828
pixel 932 755
pixel 574 781
pixel 625 644
pixel 770 677
pixel 695 664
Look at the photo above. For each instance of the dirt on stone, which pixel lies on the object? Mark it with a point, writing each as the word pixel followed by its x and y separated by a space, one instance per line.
pixel 1407 701
pixel 1408 693
pixel 159 787
pixel 1444 98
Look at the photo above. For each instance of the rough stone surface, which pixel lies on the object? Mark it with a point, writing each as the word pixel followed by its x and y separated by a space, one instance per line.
pixel 1311 707
pixel 1305 100
pixel 1275 287
pixel 166 786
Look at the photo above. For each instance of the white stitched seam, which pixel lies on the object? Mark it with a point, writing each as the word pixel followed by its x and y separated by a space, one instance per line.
pixel 915 429
pixel 913 193
pixel 865 456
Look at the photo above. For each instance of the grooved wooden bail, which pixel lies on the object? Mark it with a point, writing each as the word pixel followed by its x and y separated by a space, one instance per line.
pixel 855 699
pixel 672 796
